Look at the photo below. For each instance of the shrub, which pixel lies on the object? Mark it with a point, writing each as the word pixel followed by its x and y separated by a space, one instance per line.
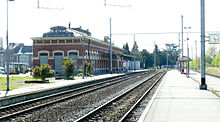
pixel 68 67
pixel 88 68
pixel 79 75
pixel 70 78
pixel 43 72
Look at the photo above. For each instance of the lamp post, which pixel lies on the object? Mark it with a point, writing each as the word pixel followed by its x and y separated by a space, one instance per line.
pixel 83 58
pixel 167 61
pixel 203 85
pixel 7 50
pixel 110 46
pixel 182 33
pixel 155 57
pixel 187 28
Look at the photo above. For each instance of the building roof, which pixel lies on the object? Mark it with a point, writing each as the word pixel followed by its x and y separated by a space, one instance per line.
pixel 58 28
pixel 25 50
pixel 76 37
pixel 58 31
pixel 82 31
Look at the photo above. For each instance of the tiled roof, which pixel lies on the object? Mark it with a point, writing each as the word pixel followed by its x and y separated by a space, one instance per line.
pixel 27 49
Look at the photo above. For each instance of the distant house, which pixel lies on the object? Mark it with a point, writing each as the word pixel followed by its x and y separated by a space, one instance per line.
pixel 20 57
pixel 24 55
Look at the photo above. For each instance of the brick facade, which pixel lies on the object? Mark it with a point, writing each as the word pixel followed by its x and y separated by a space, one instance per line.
pixel 95 51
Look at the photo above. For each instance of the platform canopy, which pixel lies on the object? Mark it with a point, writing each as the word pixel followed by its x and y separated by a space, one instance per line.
pixel 184 59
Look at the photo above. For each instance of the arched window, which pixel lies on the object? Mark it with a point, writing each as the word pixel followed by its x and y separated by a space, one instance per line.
pixel 58 61
pixel 73 56
pixel 43 58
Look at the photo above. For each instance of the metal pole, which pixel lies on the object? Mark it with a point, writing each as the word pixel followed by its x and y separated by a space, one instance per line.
pixel 134 56
pixel 178 63
pixel 203 85
pixel 196 55
pixel 83 56
pixel 182 34
pixel 187 28
pixel 7 53
pixel 167 61
pixel 110 45
pixel 154 55
pixel 187 61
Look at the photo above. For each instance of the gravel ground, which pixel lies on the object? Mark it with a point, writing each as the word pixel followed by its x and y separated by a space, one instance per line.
pixel 70 110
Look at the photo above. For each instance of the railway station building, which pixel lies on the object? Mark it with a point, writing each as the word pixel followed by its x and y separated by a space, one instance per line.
pixel 78 44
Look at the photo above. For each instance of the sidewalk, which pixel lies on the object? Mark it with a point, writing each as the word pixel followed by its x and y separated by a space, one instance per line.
pixel 178 99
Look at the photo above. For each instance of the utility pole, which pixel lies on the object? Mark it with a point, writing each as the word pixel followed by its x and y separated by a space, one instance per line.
pixel 167 61
pixel 134 55
pixel 203 85
pixel 155 56
pixel 7 53
pixel 110 48
pixel 7 50
pixel 187 28
pixel 83 56
pixel 179 40
pixel 182 33
pixel 178 63
pixel 196 53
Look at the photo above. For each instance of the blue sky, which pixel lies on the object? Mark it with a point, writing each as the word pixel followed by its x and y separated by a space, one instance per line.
pixel 145 16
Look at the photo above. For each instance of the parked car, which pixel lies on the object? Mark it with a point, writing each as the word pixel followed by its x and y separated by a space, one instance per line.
pixel 2 70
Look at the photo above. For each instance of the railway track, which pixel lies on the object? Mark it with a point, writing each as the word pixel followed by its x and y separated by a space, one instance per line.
pixel 123 106
pixel 8 112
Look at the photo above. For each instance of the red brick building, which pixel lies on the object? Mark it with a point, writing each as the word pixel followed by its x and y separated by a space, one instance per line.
pixel 57 45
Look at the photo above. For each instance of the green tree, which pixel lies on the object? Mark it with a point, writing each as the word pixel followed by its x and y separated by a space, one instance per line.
pixel 68 67
pixel 147 59
pixel 216 61
pixel 43 72
pixel 135 52
pixel 162 58
pixel 195 64
pixel 173 53
pixel 156 52
pixel 126 49
pixel 210 54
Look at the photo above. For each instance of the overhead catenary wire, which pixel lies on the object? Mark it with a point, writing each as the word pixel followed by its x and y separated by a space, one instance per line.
pixel 152 33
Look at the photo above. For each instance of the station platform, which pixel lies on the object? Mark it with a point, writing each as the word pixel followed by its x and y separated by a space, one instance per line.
pixel 213 83
pixel 179 99
pixel 58 83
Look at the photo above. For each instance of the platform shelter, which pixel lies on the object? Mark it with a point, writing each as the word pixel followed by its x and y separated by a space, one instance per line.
pixel 184 64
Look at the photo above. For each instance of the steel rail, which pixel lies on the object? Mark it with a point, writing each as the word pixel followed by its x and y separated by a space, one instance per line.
pixel 107 82
pixel 84 117
pixel 141 98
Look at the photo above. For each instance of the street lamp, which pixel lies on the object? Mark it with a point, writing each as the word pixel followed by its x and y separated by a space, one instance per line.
pixel 7 50
pixel 167 61
pixel 187 28
pixel 203 85
pixel 110 46
pixel 83 50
